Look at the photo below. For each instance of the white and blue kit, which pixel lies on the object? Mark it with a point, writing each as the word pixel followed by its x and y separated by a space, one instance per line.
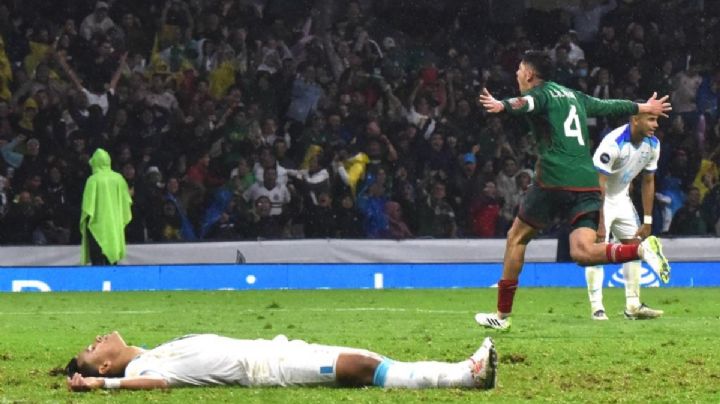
pixel 621 161
pixel 209 359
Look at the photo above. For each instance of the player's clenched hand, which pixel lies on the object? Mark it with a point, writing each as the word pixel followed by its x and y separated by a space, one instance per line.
pixel 656 106
pixel 643 232
pixel 489 102
pixel 79 383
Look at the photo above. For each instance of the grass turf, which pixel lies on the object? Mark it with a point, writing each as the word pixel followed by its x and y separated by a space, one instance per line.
pixel 554 352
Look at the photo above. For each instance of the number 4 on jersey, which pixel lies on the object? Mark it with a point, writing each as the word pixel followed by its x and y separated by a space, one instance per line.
pixel 572 126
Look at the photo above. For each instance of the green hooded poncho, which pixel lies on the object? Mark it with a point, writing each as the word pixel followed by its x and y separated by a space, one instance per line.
pixel 105 209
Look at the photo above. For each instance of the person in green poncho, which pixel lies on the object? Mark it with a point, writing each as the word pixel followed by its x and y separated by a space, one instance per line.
pixel 105 213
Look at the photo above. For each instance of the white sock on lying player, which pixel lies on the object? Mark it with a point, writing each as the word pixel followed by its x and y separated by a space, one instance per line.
pixel 417 375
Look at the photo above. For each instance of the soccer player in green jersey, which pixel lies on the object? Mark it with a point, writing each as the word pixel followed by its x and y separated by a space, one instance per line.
pixel 566 182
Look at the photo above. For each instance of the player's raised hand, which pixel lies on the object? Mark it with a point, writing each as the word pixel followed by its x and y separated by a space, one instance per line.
pixel 490 103
pixel 656 106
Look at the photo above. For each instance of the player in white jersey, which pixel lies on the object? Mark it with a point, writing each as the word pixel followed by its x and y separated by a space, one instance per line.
pixel 209 359
pixel 621 156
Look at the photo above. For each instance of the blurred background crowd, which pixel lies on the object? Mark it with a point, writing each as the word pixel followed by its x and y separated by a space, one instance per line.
pixel 277 119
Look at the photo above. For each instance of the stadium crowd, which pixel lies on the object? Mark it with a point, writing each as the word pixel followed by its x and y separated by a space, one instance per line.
pixel 272 119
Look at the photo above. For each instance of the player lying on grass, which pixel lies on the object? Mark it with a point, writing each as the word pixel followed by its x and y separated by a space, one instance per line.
pixel 208 359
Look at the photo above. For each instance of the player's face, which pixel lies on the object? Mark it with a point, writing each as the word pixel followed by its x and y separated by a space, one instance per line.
pixel 101 349
pixel 524 75
pixel 647 124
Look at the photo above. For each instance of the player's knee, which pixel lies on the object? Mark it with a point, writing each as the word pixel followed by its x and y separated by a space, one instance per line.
pixel 580 254
pixel 354 370
pixel 517 235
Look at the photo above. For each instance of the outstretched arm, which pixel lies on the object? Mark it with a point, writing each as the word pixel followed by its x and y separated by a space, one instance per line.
pixel 79 383
pixel 68 70
pixel 118 73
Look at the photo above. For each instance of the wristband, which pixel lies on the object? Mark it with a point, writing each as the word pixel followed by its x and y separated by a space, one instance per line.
pixel 647 219
pixel 111 383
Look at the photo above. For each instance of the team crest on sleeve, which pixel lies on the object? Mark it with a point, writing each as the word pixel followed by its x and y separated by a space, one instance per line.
pixel 517 102
pixel 605 158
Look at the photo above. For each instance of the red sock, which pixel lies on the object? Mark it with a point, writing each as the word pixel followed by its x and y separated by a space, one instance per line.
pixel 506 295
pixel 621 252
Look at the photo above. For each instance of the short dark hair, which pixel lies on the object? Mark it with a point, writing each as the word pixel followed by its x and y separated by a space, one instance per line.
pixel 85 370
pixel 540 62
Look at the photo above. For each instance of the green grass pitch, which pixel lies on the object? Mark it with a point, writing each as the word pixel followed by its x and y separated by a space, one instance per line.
pixel 554 353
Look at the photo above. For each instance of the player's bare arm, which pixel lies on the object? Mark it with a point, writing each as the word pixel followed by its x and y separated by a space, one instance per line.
pixel 648 195
pixel 490 103
pixel 602 180
pixel 80 383
pixel 655 106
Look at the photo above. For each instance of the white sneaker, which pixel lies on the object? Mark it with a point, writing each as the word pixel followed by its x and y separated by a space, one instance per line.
pixel 484 364
pixel 653 255
pixel 599 315
pixel 491 320
pixel 643 312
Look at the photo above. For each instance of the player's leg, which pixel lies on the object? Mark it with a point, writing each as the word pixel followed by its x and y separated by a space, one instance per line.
pixel 595 274
pixel 625 227
pixel 585 251
pixel 535 210
pixel 479 371
pixel 583 209
pixel 519 236
pixel 297 363
pixel 594 277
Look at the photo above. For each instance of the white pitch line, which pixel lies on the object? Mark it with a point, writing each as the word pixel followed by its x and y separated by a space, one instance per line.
pixel 318 309
pixel 392 309
pixel 35 313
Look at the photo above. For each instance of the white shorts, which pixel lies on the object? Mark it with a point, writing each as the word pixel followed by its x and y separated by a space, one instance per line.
pixel 295 363
pixel 621 219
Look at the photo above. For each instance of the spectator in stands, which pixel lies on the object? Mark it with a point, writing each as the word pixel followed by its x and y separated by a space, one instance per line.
pixel 485 212
pixel 320 221
pixel 22 220
pixel 96 93
pixel 397 228
pixel 98 22
pixel 465 186
pixel 587 17
pixel 685 87
pixel 688 220
pixel 277 193
pixel 505 185
pixel 371 204
pixel 436 218
pixel 221 79
pixel 263 225
pixel 348 221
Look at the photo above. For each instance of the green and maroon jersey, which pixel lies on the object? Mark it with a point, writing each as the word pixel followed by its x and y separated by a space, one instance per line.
pixel 557 117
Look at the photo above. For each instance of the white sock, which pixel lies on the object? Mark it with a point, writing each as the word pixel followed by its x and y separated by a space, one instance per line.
pixel 631 274
pixel 594 276
pixel 418 375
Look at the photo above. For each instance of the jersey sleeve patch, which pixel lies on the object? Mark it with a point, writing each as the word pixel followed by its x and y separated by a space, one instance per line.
pixel 605 158
pixel 518 103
